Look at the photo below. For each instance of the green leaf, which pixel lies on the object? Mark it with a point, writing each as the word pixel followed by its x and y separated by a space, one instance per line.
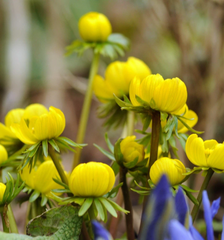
pixel 113 192
pixel 146 122
pixel 45 147
pixel 187 189
pixel 117 207
pixel 108 206
pixel 109 144
pixel 115 167
pixel 142 102
pixel 99 208
pixel 57 223
pixel 188 127
pixel 106 153
pixel 34 196
pixel 70 142
pixel 192 198
pixel 131 164
pixel 54 145
pixel 58 181
pixel 119 101
pixel 85 206
pixel 43 200
pixel 117 152
pixel 119 39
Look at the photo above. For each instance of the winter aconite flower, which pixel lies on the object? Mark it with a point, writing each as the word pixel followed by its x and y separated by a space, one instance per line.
pixel 2 190
pixel 118 76
pixel 7 137
pixel 168 95
pixel 3 154
pixel 94 27
pixel 93 179
pixel 173 168
pixel 207 153
pixel 40 178
pixel 38 124
pixel 132 150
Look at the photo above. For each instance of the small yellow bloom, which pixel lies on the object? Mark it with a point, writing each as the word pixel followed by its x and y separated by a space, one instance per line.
pixel 207 153
pixel 118 76
pixel 168 95
pixel 131 150
pixel 38 124
pixel 2 190
pixel 93 179
pixel 94 27
pixel 41 178
pixel 12 117
pixel 173 168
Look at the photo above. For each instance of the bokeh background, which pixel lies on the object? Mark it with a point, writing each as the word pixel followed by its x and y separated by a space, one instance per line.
pixel 176 38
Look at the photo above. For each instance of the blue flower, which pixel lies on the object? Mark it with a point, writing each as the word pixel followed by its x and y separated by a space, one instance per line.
pixel 100 233
pixel 167 217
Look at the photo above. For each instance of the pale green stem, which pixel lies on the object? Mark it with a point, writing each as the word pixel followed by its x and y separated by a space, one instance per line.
pixel 57 164
pixel 12 222
pixel 130 123
pixel 85 110
pixel 204 186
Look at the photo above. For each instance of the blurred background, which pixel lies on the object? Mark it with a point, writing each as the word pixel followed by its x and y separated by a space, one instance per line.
pixel 180 38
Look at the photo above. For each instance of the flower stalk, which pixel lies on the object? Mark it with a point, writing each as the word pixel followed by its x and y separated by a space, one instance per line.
pixel 204 186
pixel 154 138
pixel 127 204
pixel 85 109
pixel 57 164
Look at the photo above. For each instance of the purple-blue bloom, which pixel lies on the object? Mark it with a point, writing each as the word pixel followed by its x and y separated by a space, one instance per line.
pixel 100 233
pixel 167 217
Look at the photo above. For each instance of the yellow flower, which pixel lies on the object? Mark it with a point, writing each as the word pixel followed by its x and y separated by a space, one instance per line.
pixel 131 150
pixel 3 154
pixel 118 76
pixel 207 153
pixel 38 124
pixel 13 116
pixel 173 168
pixel 93 179
pixel 41 178
pixel 2 190
pixel 168 95
pixel 94 27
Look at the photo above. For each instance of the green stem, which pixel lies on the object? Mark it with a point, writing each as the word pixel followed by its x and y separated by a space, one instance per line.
pixel 127 204
pixel 85 110
pixel 57 164
pixel 5 228
pixel 154 138
pixel 130 123
pixel 12 222
pixel 204 186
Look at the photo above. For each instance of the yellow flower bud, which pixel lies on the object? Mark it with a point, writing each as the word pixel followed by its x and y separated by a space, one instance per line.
pixel 38 124
pixel 131 150
pixel 207 153
pixel 93 179
pixel 173 168
pixel 2 190
pixel 118 76
pixel 41 178
pixel 3 154
pixel 94 27
pixel 168 95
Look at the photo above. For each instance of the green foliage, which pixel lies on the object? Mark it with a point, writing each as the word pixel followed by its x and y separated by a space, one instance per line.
pixel 115 46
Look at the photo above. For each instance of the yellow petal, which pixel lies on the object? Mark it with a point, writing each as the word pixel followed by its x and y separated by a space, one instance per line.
pixel 215 160
pixel 14 116
pixel 134 90
pixel 34 110
pixel 3 154
pixel 2 190
pixel 191 121
pixel 195 150
pixel 28 176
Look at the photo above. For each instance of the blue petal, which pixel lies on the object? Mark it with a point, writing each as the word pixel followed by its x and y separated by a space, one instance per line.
pixel 181 206
pixel 100 232
pixel 207 216
pixel 158 212
pixel 194 233
pixel 222 238
pixel 215 206
pixel 177 231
